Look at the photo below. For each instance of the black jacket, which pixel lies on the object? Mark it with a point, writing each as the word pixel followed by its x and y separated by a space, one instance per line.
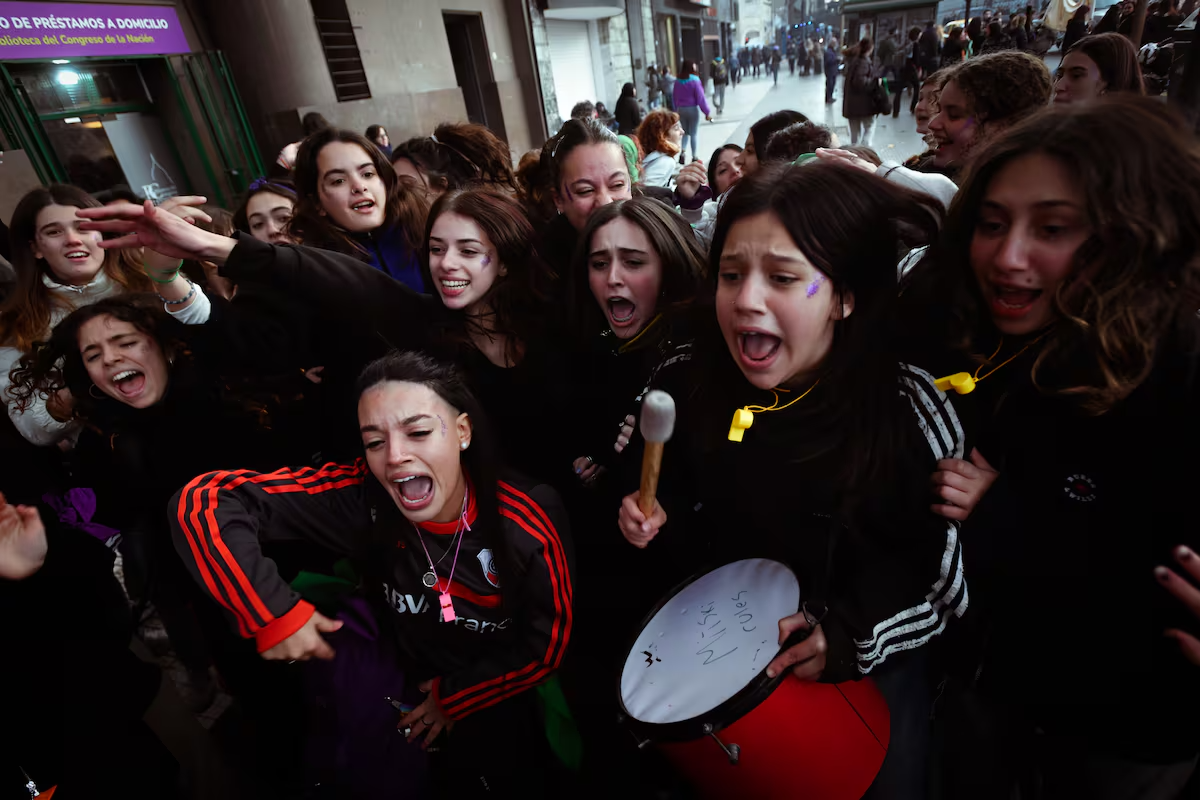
pixel 628 115
pixel 857 101
pixel 511 628
pixel 522 401
pixel 1063 550
pixel 892 579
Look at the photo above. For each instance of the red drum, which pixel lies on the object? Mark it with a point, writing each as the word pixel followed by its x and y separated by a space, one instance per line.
pixel 695 685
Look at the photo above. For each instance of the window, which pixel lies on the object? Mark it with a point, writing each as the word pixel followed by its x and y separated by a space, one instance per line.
pixel 341 49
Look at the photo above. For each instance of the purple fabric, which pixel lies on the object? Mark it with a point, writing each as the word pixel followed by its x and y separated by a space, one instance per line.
pixel 691 93
pixel 354 748
pixel 75 509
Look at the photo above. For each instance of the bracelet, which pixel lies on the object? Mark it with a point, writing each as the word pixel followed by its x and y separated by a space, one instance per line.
pixel 190 295
pixel 171 279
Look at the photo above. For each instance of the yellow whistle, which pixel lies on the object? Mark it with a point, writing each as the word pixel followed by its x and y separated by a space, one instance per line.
pixel 742 419
pixel 961 382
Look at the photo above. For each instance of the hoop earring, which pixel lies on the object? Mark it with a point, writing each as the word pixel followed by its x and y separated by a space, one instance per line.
pixel 93 395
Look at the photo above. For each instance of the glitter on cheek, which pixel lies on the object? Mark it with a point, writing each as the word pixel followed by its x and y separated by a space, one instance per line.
pixel 815 286
pixel 486 261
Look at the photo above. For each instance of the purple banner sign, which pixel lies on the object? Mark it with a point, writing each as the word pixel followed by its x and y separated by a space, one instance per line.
pixel 56 30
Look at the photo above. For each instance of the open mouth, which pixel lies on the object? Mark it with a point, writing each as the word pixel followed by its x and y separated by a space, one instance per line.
pixel 453 288
pixel 1011 301
pixel 620 311
pixel 130 383
pixel 415 491
pixel 363 206
pixel 78 255
pixel 758 349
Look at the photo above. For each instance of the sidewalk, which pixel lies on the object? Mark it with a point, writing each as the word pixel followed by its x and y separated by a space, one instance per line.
pixel 754 98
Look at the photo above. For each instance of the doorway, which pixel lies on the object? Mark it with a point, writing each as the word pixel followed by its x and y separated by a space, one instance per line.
pixel 473 70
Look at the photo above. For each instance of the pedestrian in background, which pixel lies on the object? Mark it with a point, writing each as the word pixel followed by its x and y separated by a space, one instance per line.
pixel 668 87
pixel 689 102
pixel 653 88
pixel 628 115
pixel 720 78
pixel 831 69
pixel 858 104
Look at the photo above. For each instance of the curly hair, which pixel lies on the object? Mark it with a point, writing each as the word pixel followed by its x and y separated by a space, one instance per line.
pixel 460 155
pixel 795 140
pixel 652 133
pixel 1003 87
pixel 1136 281
pixel 57 363
pixel 538 200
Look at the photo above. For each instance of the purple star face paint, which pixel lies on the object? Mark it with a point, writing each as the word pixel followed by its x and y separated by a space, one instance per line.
pixel 486 260
pixel 815 286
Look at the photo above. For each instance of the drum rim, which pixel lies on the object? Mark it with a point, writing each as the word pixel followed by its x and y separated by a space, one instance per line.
pixel 719 717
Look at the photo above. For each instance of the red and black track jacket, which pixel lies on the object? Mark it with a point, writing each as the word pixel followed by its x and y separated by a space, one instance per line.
pixel 511 631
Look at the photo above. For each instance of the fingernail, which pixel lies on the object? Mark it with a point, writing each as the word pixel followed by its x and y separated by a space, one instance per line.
pixel 770 673
pixel 645 527
pixel 1162 573
pixel 578 471
pixel 1183 553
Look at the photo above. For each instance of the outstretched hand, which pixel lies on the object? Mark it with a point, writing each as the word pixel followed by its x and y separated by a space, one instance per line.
pixel 22 541
pixel 164 232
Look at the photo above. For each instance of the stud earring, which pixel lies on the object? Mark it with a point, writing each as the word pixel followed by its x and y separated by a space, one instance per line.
pixel 463 445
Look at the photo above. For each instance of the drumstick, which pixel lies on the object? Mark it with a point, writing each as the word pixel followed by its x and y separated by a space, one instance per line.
pixel 658 423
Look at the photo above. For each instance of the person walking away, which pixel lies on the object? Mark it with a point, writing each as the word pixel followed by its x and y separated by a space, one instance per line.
pixel 858 106
pixel 720 78
pixel 831 69
pixel 668 88
pixel 776 59
pixel 627 115
pixel 756 59
pixel 653 88
pixel 734 69
pixel 791 57
pixel 689 102
pixel 1076 28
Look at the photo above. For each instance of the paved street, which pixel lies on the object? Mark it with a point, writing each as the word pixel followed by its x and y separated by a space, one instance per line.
pixel 754 98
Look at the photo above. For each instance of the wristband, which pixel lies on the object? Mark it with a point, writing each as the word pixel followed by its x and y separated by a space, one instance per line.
pixel 190 295
pixel 171 279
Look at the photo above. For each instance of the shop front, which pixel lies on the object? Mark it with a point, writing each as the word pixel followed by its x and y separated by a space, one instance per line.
pixel 111 98
pixel 878 18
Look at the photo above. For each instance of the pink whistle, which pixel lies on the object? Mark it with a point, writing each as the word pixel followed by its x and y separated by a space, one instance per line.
pixel 447 607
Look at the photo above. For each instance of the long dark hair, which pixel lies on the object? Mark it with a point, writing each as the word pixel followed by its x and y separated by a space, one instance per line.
pixel 460 155
pixel 25 314
pixel 1116 58
pixel 853 234
pixel 712 162
pixel 1136 281
pixel 481 460
pixel 406 207
pixel 57 363
pixel 672 238
pixel 520 301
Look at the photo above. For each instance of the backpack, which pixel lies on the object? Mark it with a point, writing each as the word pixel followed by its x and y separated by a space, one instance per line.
pixel 718 72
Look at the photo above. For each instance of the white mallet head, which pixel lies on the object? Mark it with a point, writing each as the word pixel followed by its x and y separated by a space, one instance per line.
pixel 658 416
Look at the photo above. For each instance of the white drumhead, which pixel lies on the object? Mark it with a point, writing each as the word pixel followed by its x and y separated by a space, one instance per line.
pixel 708 641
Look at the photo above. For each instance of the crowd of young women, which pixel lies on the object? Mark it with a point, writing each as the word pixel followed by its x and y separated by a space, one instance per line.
pixel 395 434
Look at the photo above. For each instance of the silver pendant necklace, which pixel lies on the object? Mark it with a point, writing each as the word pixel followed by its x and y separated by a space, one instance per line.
pixel 429 579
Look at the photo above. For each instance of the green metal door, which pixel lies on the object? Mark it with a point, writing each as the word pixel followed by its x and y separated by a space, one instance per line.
pixel 213 110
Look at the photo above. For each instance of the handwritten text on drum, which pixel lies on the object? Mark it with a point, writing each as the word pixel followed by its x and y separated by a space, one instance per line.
pixel 714 627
